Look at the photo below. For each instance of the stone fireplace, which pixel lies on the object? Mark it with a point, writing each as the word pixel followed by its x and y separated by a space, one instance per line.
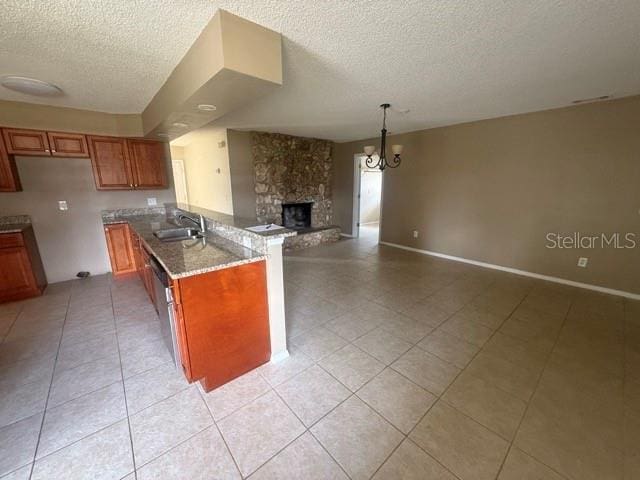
pixel 297 215
pixel 292 170
pixel 293 186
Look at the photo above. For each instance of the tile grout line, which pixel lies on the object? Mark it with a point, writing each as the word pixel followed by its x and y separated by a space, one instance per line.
pixel 124 390
pixel 439 397
pixel 224 440
pixel 20 310
pixel 316 362
pixel 535 389
pixel 44 413
pixel 306 430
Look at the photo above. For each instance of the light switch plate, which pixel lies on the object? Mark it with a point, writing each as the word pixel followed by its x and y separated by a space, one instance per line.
pixel 152 202
pixel 582 262
pixel 62 205
pixel 415 234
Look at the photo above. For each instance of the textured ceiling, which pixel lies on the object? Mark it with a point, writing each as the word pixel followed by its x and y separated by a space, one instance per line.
pixel 449 62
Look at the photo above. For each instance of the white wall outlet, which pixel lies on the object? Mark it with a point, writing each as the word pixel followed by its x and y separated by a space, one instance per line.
pixel 62 205
pixel 152 202
pixel 415 234
pixel 582 262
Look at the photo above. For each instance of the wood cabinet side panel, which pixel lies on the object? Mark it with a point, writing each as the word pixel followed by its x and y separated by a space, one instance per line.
pixel 226 321
pixel 9 179
pixel 33 251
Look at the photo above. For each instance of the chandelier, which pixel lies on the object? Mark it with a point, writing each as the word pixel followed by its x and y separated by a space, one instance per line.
pixel 370 150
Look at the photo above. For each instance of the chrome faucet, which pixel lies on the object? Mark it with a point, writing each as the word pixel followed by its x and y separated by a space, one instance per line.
pixel 200 222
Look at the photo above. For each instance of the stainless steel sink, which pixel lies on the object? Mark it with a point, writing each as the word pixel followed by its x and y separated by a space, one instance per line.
pixel 176 234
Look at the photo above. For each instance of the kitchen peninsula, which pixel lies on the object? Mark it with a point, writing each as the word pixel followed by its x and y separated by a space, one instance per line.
pixel 223 286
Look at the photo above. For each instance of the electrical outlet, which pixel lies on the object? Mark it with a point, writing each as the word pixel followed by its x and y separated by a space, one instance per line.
pixel 152 202
pixel 62 205
pixel 582 262
pixel 415 234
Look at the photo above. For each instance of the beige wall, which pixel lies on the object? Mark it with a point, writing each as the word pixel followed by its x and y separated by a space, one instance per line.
pixel 73 240
pixel 45 117
pixel 491 190
pixel 207 169
pixel 242 173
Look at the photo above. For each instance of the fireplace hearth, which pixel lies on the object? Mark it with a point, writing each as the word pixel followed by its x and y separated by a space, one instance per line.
pixel 297 215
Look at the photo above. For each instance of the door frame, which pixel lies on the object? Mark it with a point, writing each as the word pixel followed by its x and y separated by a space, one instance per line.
pixel 357 193
pixel 180 164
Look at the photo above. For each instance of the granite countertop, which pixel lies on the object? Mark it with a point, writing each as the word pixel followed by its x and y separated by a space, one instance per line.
pixel 13 227
pixel 14 223
pixel 234 220
pixel 187 257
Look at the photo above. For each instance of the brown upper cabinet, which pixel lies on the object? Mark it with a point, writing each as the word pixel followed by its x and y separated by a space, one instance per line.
pixel 9 179
pixel 125 164
pixel 111 164
pixel 147 164
pixel 26 142
pixel 68 144
pixel 118 163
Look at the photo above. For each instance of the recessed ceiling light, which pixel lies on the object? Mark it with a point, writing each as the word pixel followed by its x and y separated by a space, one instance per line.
pixel 206 107
pixel 163 135
pixel 30 86
pixel 180 125
pixel 594 99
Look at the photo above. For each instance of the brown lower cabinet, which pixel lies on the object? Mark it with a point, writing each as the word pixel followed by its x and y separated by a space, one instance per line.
pixel 222 323
pixel 21 271
pixel 221 317
pixel 120 249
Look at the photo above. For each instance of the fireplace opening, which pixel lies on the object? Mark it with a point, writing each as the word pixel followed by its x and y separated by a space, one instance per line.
pixel 297 215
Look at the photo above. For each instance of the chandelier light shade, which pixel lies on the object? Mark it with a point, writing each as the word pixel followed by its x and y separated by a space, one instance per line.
pixel 370 150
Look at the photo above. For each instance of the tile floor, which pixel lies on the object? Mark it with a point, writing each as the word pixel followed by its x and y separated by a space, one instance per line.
pixel 402 366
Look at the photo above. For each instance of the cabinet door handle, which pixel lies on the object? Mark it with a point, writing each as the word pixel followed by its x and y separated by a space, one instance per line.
pixel 46 150
pixel 136 185
pixel 53 151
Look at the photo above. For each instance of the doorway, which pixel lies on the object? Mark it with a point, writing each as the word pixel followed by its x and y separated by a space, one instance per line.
pixel 180 181
pixel 367 200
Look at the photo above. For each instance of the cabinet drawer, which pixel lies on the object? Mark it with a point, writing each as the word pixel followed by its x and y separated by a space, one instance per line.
pixel 8 240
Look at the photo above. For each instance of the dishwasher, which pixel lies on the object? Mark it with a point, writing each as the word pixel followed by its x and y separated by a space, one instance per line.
pixel 164 305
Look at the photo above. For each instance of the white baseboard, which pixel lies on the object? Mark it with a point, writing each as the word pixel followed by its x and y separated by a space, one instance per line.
pixel 370 223
pixel 278 357
pixel 524 273
pixel 346 235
